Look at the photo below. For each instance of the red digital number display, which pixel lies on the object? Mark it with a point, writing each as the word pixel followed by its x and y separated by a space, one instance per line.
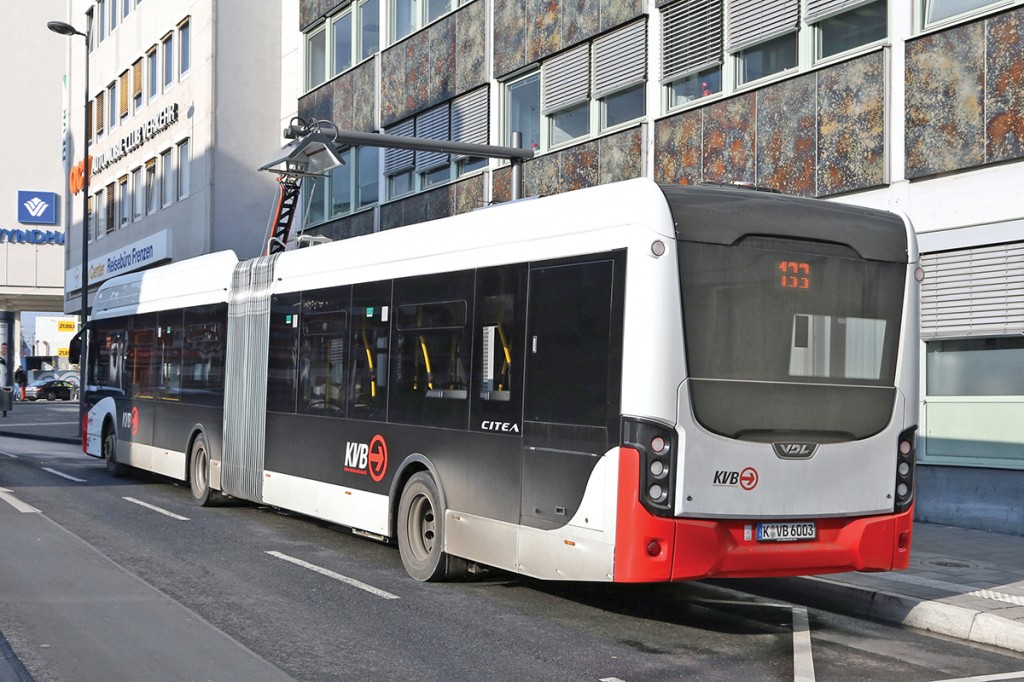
pixel 795 274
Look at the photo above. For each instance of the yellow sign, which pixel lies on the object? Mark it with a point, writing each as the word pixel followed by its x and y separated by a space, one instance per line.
pixel 67 326
pixel 63 352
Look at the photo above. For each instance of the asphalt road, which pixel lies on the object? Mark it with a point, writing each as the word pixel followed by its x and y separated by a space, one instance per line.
pixel 127 579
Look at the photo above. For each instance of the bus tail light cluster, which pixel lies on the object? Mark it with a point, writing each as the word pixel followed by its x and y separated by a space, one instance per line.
pixel 906 452
pixel 656 444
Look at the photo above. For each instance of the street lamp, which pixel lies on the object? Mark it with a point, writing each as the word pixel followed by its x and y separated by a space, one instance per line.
pixel 66 29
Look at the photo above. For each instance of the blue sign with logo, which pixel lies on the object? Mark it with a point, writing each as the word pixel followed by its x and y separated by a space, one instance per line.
pixel 37 208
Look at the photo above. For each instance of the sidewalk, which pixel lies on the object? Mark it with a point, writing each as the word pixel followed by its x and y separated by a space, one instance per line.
pixel 966 584
pixel 962 583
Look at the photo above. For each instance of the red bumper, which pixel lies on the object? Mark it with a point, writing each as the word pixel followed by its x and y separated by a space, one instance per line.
pixel 650 548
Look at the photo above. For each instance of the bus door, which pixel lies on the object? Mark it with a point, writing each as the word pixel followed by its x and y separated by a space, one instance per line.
pixel 573 367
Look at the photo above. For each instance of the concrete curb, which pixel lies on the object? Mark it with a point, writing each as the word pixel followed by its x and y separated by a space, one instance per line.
pixel 946 619
pixel 39 436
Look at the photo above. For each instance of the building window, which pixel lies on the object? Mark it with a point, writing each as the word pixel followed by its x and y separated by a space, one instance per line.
pixel 168 50
pixel 840 31
pixel 137 85
pixel 152 71
pixel 464 119
pixel 316 58
pixel 589 88
pixel 126 7
pixel 124 90
pixel 101 13
pixel 767 58
pixel 345 189
pixel 113 15
pixel 112 208
pixel 184 49
pixel 138 195
pixel 99 113
pixel 167 178
pixel 93 35
pixel 99 215
pixel 184 169
pixel 411 15
pixel 342 41
pixel 111 106
pixel 124 202
pixel 152 198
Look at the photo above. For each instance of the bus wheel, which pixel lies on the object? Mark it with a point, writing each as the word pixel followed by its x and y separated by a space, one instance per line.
pixel 114 468
pixel 421 530
pixel 199 474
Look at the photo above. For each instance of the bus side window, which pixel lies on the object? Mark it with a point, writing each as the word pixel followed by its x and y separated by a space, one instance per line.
pixel 499 328
pixel 106 353
pixel 324 325
pixel 281 362
pixel 430 371
pixel 369 348
pixel 143 357
pixel 169 343
pixel 202 376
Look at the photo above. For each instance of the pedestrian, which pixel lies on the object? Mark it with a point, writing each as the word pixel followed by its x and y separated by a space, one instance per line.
pixel 20 380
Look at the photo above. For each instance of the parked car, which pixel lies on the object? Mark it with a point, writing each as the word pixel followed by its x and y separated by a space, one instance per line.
pixel 52 389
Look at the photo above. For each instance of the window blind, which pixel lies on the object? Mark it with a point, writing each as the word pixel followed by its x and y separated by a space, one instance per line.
pixel 433 124
pixel 470 118
pixel 565 79
pixel 123 95
pixel 816 10
pixel 755 21
pixel 620 59
pixel 944 9
pixel 691 37
pixel 137 78
pixel 398 160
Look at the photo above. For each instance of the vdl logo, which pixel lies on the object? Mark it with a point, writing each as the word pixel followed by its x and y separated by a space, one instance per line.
pixel 37 208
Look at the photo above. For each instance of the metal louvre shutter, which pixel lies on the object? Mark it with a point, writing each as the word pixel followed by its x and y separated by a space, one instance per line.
pixel 122 95
pixel 565 79
pixel 398 160
pixel 137 78
pixel 620 59
pixel 99 111
pixel 944 9
pixel 755 21
pixel 111 209
pixel 88 121
pixel 973 292
pixel 470 118
pixel 691 37
pixel 433 124
pixel 815 10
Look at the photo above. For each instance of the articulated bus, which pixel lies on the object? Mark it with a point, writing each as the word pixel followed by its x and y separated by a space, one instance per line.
pixel 628 383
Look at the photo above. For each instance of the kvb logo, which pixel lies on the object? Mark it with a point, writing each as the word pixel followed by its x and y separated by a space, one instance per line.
pixel 130 420
pixel 746 479
pixel 367 458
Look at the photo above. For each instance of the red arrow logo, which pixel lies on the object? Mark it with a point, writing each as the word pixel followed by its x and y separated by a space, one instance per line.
pixel 748 478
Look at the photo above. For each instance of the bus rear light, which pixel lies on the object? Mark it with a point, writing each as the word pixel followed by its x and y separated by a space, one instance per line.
pixel 654 442
pixel 653 548
pixel 903 542
pixel 905 454
pixel 85 433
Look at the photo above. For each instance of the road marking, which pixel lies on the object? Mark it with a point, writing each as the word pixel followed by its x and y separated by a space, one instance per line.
pixel 803 662
pixel 155 508
pixel 1019 675
pixel 10 499
pixel 610 679
pixel 9 455
pixel 337 576
pixel 803 659
pixel 63 475
pixel 957 589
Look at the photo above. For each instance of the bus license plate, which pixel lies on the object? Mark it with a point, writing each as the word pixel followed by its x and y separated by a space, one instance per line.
pixel 786 532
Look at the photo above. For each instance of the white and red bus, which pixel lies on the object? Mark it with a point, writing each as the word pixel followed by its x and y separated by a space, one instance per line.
pixel 624 383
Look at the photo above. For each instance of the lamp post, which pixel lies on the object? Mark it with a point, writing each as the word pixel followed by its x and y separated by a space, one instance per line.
pixel 66 29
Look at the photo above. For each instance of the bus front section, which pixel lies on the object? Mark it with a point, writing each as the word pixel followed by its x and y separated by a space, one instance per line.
pixel 795 437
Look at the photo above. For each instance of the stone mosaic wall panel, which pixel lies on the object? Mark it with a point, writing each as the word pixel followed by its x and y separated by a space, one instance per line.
pixel 813 135
pixel 311 11
pixel 452 199
pixel 786 124
pixel 348 100
pixel 527 31
pixel 851 125
pixel 945 117
pixel 435 64
pixel 729 140
pixel 344 228
pixel 595 162
pixel 1004 87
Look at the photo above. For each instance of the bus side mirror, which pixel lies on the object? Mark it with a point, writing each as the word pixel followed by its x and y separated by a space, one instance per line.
pixel 75 348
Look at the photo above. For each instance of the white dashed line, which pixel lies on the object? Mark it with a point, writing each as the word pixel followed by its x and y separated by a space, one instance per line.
pixel 337 576
pixel 63 475
pixel 10 499
pixel 155 508
pixel 1019 675
pixel 803 662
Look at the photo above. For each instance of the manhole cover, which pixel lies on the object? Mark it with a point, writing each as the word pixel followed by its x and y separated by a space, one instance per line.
pixel 949 563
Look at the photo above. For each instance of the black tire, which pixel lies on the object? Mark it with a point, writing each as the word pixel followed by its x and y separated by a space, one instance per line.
pixel 114 468
pixel 199 474
pixel 421 530
pixel 51 396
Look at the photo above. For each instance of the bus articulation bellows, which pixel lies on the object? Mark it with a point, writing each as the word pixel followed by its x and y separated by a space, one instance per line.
pixel 627 383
